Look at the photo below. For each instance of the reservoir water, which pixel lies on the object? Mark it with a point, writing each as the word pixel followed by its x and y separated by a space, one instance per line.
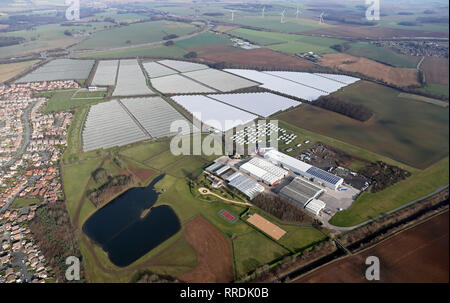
pixel 123 233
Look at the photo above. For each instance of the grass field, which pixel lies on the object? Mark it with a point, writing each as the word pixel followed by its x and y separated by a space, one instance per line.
pixel 391 21
pixel 9 70
pixel 288 43
pixel 436 89
pixel 370 205
pixel 144 151
pixel 46 37
pixel 63 100
pixel 203 39
pixel 415 135
pixel 22 202
pixel 304 134
pixel 380 54
pixel 138 33
pixel 253 249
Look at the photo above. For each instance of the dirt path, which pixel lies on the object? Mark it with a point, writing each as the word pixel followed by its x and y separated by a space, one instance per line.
pixel 205 191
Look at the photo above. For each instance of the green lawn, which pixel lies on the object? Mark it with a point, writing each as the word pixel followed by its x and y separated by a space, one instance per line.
pixel 188 166
pixel 22 202
pixel 437 89
pixel 299 237
pixel 63 100
pixel 133 34
pixel 75 178
pixel 89 95
pixel 406 130
pixel 253 250
pixel 144 151
pixel 370 205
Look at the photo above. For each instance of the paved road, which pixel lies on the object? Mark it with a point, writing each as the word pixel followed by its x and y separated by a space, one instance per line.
pixel 338 228
pixel 30 182
pixel 420 63
pixel 19 260
pixel 27 136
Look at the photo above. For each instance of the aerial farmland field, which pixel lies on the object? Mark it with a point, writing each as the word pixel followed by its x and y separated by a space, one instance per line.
pixel 414 135
pixel 138 33
pixel 380 54
pixel 288 43
pixel 9 70
pixel 155 141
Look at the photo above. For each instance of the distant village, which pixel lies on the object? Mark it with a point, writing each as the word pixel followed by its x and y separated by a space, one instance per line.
pixel 31 144
pixel 416 48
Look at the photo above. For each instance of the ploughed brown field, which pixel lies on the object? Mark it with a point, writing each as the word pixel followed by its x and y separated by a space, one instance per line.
pixel 214 260
pixel 372 32
pixel 397 76
pixel 419 254
pixel 259 57
pixel 211 50
pixel 436 70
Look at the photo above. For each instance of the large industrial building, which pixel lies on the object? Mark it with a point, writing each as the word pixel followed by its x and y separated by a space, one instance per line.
pixel 315 206
pixel 236 180
pixel 301 191
pixel 264 171
pixel 304 194
pixel 301 168
pixel 245 185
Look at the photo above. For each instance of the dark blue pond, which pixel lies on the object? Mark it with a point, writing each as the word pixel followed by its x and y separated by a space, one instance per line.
pixel 119 229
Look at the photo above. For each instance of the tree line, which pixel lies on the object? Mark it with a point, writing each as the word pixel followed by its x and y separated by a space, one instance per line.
pixel 282 208
pixel 354 111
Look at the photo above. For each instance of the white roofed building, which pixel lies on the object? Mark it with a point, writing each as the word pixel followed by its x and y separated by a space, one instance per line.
pixel 301 168
pixel 315 206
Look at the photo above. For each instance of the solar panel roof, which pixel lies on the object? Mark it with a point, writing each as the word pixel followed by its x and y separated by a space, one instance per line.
pixel 323 175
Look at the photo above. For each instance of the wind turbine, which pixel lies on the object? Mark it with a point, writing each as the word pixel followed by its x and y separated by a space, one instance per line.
pixel 263 10
pixel 297 13
pixel 232 15
pixel 282 16
pixel 321 18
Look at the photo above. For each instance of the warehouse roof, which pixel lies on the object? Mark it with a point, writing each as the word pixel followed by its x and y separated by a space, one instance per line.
pixel 315 206
pixel 274 155
pixel 301 191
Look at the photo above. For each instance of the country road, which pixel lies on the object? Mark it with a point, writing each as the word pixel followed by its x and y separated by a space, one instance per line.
pixel 338 228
